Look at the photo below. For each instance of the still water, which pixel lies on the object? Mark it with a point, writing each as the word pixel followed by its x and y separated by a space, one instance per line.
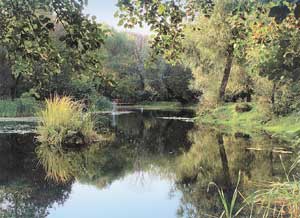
pixel 150 164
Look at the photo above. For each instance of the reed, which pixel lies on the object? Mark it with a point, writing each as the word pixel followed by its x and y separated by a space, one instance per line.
pixel 61 119
pixel 230 204
pixel 280 199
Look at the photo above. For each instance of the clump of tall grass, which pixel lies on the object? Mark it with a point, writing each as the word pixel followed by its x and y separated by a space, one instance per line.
pixel 230 203
pixel 62 121
pixel 278 199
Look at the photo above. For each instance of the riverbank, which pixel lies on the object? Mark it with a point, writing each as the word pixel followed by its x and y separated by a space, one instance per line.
pixel 24 108
pixel 159 105
pixel 255 120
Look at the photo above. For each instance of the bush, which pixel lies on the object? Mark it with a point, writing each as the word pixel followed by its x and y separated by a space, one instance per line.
pixel 243 107
pixel 101 103
pixel 287 98
pixel 62 123
pixel 21 107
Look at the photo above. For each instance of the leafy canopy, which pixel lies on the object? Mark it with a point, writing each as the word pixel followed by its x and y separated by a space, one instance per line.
pixel 167 18
pixel 29 30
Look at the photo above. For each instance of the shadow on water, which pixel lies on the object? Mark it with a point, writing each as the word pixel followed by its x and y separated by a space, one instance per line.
pixel 24 192
pixel 188 155
pixel 218 157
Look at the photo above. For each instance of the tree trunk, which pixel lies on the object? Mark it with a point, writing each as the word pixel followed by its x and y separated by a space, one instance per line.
pixel 142 81
pixel 6 80
pixel 227 71
pixel 14 87
pixel 273 94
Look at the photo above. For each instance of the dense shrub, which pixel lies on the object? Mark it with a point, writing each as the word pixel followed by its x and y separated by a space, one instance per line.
pixel 286 99
pixel 99 103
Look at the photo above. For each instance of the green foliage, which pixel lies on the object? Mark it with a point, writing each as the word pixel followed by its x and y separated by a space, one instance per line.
pixel 21 107
pixel 273 52
pixel 126 57
pixel 42 39
pixel 260 36
pixel 165 19
pixel 100 103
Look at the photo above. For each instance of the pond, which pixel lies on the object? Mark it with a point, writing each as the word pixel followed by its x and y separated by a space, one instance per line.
pixel 150 164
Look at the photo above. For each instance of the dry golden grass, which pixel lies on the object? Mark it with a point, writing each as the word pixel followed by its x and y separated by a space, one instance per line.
pixel 63 117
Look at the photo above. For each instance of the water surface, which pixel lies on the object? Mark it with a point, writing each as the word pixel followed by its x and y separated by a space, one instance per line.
pixel 154 164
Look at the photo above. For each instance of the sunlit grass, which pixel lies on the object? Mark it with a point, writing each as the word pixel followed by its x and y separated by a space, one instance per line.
pixel 285 127
pixel 61 118
pixel 256 120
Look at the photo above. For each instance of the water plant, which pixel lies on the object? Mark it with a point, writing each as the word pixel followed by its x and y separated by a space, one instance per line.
pixel 229 203
pixel 279 199
pixel 62 122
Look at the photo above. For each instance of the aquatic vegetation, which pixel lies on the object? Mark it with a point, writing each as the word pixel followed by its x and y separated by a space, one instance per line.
pixel 278 199
pixel 62 122
pixel 229 205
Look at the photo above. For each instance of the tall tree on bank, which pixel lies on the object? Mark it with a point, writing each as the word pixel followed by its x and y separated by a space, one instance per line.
pixel 168 18
pixel 27 31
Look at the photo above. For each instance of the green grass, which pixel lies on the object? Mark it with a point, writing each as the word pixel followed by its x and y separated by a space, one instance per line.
pixel 256 120
pixel 22 107
pixel 285 127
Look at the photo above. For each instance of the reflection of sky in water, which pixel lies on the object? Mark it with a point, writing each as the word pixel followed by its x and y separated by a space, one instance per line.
pixel 139 195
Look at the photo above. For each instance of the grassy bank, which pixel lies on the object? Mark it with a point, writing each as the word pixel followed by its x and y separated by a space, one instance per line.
pixel 22 107
pixel 159 105
pixel 28 107
pixel 256 120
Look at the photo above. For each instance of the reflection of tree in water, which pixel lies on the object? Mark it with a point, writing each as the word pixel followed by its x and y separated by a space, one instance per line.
pixel 218 157
pixel 153 141
pixel 143 143
pixel 24 193
pixel 140 142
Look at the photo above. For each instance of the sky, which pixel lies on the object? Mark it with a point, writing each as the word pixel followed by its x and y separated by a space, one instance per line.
pixel 104 11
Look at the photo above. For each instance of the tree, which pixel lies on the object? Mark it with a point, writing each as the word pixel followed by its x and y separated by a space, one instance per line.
pixel 26 34
pixel 273 53
pixel 127 58
pixel 166 20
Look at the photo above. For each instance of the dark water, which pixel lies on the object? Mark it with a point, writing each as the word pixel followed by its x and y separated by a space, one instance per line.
pixel 148 166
